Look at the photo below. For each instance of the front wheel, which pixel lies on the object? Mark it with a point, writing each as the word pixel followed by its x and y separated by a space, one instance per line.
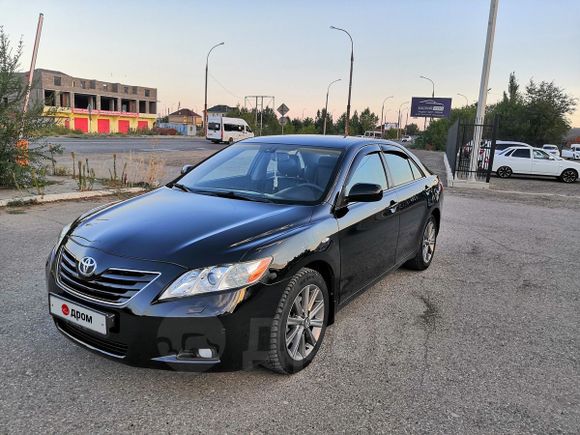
pixel 504 172
pixel 426 250
pixel 569 176
pixel 299 323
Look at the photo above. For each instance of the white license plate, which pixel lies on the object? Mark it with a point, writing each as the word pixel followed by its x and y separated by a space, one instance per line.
pixel 78 315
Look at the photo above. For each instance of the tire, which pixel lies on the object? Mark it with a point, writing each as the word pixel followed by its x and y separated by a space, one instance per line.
pixel 230 141
pixel 426 250
pixel 504 172
pixel 286 359
pixel 569 175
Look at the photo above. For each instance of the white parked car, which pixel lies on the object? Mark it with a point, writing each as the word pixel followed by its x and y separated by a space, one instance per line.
pixel 230 130
pixel 406 139
pixel 534 161
pixel 572 153
pixel 373 134
pixel 551 149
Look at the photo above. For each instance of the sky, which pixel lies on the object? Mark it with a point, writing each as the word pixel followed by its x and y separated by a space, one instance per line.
pixel 287 50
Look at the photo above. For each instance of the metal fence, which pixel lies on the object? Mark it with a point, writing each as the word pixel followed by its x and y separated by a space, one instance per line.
pixel 460 147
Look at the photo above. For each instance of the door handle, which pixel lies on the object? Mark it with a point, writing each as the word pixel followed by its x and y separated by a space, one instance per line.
pixel 392 208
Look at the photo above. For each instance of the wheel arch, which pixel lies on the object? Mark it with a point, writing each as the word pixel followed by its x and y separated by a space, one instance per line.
pixel 328 275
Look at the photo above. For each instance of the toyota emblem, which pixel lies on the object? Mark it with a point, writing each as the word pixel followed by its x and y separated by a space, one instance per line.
pixel 87 266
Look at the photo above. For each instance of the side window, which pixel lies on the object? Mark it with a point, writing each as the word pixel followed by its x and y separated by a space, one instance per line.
pixel 368 170
pixel 248 129
pixel 399 168
pixel 521 153
pixel 417 172
pixel 540 155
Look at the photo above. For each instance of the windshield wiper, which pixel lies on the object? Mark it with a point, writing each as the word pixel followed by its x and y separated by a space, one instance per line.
pixel 181 187
pixel 232 195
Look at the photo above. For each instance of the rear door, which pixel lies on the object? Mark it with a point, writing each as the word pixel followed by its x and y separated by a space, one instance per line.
pixel 368 231
pixel 411 188
pixel 520 161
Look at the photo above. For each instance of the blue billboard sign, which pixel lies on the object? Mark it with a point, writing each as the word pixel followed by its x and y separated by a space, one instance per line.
pixel 430 107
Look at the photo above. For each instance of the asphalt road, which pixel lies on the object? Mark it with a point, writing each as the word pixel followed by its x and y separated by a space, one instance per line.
pixel 485 341
pixel 108 145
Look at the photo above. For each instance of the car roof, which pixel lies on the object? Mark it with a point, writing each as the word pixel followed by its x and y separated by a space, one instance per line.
pixel 512 141
pixel 317 140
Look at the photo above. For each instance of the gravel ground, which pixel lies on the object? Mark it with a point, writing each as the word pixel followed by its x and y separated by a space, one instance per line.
pixel 485 341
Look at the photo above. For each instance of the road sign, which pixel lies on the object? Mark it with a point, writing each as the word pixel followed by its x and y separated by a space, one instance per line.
pixel 430 107
pixel 283 120
pixel 283 109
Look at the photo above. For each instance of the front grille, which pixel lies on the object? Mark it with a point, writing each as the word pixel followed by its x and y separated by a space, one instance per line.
pixel 100 343
pixel 115 286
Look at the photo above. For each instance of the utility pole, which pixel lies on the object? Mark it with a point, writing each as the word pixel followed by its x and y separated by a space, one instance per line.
pixel 326 106
pixel 483 89
pixel 33 61
pixel 261 98
pixel 205 104
pixel 23 143
pixel 347 123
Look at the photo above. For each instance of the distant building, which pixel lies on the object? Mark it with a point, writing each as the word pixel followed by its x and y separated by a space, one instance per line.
pixel 219 110
pixel 94 106
pixel 186 117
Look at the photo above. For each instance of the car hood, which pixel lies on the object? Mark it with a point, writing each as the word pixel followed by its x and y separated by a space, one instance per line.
pixel 187 229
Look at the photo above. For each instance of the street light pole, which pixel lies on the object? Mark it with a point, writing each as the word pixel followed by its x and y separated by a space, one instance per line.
pixel 205 103
pixel 399 120
pixel 466 99
pixel 432 96
pixel 326 105
pixel 383 117
pixel 346 125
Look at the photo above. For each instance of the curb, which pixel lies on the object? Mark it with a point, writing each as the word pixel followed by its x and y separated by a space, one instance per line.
pixel 52 197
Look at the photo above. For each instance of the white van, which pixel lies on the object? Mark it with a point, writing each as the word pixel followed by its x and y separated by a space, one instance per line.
pixel 230 130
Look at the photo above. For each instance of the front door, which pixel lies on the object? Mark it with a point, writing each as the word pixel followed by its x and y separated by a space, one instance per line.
pixel 543 165
pixel 520 161
pixel 367 230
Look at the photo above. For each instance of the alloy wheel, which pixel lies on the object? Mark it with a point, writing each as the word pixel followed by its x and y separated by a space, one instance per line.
pixel 304 322
pixel 429 238
pixel 569 176
pixel 504 172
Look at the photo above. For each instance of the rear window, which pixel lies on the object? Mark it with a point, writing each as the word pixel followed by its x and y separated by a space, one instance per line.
pixel 215 126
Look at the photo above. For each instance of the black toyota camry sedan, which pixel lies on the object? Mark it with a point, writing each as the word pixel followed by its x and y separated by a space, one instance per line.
pixel 245 258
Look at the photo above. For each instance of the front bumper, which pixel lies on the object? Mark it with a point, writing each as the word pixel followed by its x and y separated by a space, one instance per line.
pixel 234 325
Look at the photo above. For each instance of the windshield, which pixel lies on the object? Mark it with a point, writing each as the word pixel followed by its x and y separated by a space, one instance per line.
pixel 292 174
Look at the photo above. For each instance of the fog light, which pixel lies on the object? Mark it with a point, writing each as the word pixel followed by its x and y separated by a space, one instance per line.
pixel 205 353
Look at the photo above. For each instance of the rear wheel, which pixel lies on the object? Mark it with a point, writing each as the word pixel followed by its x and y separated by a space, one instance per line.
pixel 569 176
pixel 504 172
pixel 231 140
pixel 299 324
pixel 424 256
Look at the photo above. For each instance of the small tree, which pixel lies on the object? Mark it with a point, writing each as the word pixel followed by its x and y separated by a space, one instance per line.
pixel 20 165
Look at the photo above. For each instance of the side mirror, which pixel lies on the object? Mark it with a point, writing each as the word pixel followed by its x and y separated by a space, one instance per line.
pixel 186 169
pixel 365 192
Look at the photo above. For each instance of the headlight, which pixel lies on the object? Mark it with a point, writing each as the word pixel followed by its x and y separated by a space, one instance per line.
pixel 217 278
pixel 62 235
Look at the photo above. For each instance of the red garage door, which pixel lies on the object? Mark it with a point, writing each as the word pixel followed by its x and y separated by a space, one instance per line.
pixel 103 126
pixel 82 124
pixel 142 125
pixel 123 126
